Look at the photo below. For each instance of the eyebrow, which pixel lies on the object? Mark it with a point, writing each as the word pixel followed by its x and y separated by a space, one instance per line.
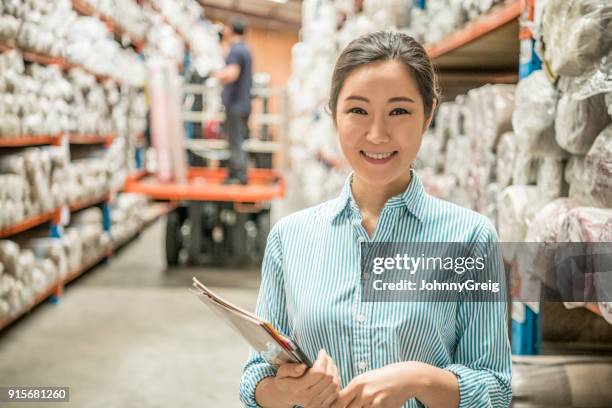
pixel 401 99
pixel 394 99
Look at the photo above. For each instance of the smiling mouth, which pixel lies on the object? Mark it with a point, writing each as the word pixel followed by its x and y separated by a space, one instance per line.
pixel 378 158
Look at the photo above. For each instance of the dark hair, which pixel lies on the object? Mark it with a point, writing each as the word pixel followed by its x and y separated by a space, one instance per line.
pixel 386 46
pixel 238 26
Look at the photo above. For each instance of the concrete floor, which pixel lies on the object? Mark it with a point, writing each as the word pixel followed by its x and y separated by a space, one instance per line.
pixel 129 334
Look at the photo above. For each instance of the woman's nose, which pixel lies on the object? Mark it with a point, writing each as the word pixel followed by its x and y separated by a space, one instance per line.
pixel 378 134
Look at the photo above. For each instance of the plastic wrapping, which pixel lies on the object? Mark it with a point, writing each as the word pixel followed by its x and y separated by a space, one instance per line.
pixel 544 228
pixel 534 116
pixel 506 159
pixel 487 114
pixel 429 154
pixel 576 34
pixel 598 168
pixel 516 206
pixel 457 160
pixel 550 178
pixel 441 129
pixel 579 122
pixel 525 170
pixel 609 102
pixel 584 224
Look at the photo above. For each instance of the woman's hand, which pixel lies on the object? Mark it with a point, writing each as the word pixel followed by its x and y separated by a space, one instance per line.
pixel 317 387
pixel 387 387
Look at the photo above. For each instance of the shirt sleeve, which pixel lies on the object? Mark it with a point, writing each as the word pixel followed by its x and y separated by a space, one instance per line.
pixel 234 57
pixel 271 306
pixel 482 358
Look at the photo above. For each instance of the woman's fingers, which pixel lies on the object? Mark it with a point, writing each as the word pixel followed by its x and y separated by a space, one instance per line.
pixel 324 398
pixel 318 372
pixel 346 397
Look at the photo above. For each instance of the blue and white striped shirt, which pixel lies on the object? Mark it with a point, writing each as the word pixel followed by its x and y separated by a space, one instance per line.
pixel 311 291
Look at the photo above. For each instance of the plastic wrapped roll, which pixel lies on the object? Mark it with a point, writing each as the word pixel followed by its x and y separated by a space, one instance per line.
pixel 9 256
pixel 579 122
pixel 506 159
pixel 542 239
pixel 442 130
pixel 429 154
pixel 584 224
pixel 52 249
pixel 516 205
pixel 457 159
pixel 598 168
pixel 576 34
pixel 534 116
pixel 497 109
pixel 609 103
pixel 550 178
pixel 525 170
pixel 457 117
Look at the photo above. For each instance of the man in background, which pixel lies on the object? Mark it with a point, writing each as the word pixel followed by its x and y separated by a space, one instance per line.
pixel 237 80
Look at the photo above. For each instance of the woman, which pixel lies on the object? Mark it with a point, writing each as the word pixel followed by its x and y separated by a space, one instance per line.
pixel 376 354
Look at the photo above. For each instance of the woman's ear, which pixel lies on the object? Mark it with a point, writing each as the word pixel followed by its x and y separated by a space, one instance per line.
pixel 431 115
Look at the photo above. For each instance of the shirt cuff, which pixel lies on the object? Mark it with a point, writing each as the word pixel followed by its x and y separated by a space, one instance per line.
pixel 251 377
pixel 473 392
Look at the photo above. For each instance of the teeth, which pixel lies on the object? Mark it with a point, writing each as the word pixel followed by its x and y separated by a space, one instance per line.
pixel 378 156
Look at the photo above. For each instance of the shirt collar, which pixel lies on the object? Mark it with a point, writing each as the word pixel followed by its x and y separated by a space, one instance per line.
pixel 411 199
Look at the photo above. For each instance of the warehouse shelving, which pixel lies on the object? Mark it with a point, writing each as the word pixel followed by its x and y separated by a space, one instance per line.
pixel 81 205
pixel 26 141
pixel 153 212
pixel 38 299
pixel 42 59
pixel 120 33
pixel 496 48
pixel 485 50
pixel 55 140
pixel 29 223
pixel 51 216
pixel 481 40
pixel 106 140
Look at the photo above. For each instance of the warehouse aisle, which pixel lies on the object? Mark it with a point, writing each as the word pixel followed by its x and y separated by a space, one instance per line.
pixel 129 334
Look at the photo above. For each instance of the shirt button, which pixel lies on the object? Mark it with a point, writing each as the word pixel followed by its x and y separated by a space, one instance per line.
pixel 361 240
pixel 361 318
pixel 366 275
pixel 362 365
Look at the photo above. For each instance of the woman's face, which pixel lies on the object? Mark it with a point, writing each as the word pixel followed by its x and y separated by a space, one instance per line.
pixel 380 120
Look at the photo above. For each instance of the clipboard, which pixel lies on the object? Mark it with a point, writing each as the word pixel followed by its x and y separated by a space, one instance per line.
pixel 274 347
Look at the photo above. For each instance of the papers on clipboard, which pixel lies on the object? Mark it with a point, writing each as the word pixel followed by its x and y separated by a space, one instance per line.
pixel 275 348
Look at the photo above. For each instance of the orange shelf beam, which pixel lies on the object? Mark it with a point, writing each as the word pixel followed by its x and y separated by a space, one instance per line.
pixel 483 25
pixel 206 192
pixel 29 223
pixel 24 141
pixel 106 140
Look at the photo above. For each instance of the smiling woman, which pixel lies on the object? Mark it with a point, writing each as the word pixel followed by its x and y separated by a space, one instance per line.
pixel 377 354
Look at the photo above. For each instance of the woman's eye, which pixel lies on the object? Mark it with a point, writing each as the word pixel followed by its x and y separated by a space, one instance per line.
pixel 358 111
pixel 399 111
